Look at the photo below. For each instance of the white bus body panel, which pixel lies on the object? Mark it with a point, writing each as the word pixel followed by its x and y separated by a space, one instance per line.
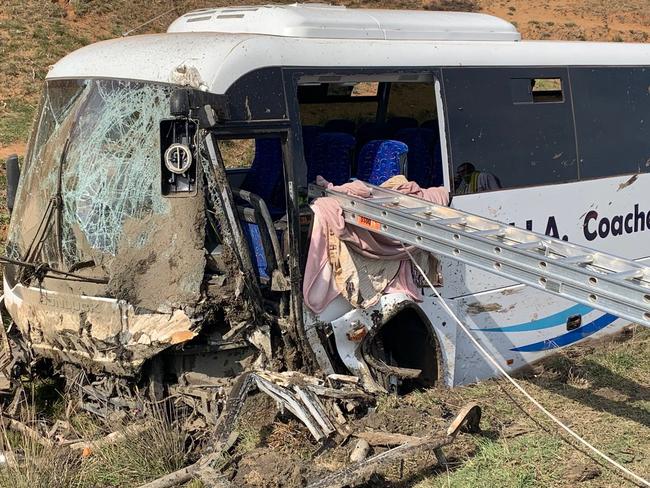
pixel 218 60
pixel 338 22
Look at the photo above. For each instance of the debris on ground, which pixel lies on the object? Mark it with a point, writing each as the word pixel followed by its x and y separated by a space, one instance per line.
pixel 278 430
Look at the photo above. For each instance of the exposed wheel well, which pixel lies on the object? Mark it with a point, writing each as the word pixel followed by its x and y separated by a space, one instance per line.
pixel 403 353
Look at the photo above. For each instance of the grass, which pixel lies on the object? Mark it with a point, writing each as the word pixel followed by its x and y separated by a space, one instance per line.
pixel 15 121
pixel 40 468
pixel 521 462
pixel 138 458
pixel 602 392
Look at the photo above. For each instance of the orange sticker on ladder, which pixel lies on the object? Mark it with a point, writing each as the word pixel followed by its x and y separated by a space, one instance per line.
pixel 366 222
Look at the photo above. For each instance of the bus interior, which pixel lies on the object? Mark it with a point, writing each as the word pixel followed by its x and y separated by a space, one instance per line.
pixel 347 127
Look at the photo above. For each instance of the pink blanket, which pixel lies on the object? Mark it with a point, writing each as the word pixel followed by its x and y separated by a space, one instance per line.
pixel 318 287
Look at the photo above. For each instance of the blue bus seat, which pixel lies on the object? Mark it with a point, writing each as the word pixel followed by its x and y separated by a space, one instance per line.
pixel 258 254
pixel 430 124
pixel 370 131
pixel 419 142
pixel 395 124
pixel 341 125
pixel 331 157
pixel 380 160
pixel 265 174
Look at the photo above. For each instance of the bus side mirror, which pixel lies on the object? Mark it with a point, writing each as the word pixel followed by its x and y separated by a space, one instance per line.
pixel 208 109
pixel 13 178
pixel 179 103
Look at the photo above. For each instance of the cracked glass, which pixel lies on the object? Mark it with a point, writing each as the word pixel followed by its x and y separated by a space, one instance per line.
pixel 109 174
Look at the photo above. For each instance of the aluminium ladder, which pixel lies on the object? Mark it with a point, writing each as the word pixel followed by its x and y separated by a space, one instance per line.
pixel 608 283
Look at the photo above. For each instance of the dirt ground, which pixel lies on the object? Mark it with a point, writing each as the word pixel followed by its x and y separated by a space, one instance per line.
pixel 588 387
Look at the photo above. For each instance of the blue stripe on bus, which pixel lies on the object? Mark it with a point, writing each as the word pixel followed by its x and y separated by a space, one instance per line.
pixel 556 319
pixel 570 337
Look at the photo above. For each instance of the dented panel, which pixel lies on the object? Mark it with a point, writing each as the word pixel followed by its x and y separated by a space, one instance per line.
pixel 102 333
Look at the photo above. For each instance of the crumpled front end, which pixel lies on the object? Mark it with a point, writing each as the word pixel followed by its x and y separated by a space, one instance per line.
pixel 129 261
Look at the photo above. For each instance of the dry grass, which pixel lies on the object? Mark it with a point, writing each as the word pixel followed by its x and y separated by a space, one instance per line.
pixel 30 465
pixel 237 153
pixel 142 455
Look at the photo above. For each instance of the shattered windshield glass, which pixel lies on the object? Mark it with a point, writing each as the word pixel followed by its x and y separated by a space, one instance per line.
pixel 109 175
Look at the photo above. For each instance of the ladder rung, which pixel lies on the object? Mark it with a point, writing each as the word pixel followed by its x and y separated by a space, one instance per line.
pixel 416 210
pixel 627 275
pixel 452 221
pixel 391 200
pixel 581 259
pixel 531 245
pixel 496 232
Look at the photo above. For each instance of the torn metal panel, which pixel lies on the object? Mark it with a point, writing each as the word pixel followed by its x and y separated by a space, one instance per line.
pixel 102 333
pixel 347 344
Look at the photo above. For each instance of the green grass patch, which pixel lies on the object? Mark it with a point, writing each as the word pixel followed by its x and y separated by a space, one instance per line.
pixel 15 121
pixel 521 462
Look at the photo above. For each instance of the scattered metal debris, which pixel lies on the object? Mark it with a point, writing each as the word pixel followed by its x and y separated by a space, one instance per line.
pixel 313 402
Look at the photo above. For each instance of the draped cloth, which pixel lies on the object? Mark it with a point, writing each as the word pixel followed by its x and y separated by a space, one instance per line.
pixel 355 262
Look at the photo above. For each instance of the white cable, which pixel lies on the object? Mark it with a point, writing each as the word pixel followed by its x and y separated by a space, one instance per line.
pixel 494 362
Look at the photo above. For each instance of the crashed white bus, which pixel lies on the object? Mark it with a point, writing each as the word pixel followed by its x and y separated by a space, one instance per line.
pixel 162 223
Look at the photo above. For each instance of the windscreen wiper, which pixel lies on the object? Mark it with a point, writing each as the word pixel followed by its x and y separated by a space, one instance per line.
pixel 43 270
pixel 40 270
pixel 53 207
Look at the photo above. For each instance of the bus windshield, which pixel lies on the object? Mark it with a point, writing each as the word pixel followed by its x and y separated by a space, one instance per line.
pixel 95 154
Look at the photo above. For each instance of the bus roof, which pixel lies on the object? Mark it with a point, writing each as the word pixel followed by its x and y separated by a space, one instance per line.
pixel 215 60
pixel 313 20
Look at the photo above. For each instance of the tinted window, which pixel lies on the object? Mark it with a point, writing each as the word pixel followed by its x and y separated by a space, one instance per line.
pixel 536 90
pixel 416 100
pixel 612 110
pixel 493 128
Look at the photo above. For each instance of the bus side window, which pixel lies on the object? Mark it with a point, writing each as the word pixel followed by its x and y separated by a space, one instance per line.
pixel 344 123
pixel 612 106
pixel 536 90
pixel 237 153
pixel 512 125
